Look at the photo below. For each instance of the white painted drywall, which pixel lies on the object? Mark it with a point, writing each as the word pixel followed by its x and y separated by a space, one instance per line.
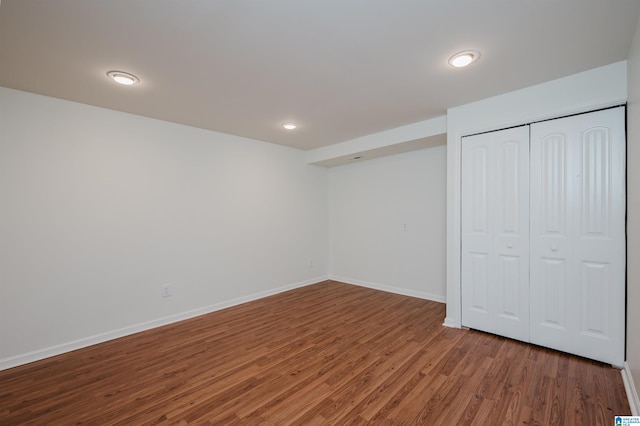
pixel 370 203
pixel 600 87
pixel 99 209
pixel 384 141
pixel 633 214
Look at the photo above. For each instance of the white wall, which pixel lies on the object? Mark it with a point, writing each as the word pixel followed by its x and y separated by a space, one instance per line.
pixel 370 202
pixel 633 217
pixel 600 87
pixel 376 145
pixel 99 209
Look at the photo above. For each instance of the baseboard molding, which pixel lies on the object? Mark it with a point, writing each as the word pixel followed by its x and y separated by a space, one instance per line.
pixel 448 322
pixel 630 388
pixel 40 354
pixel 390 289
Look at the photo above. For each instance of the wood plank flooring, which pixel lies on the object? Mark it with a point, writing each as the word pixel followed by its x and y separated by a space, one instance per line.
pixel 329 353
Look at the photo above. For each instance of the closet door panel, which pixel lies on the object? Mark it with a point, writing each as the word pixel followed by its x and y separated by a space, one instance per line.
pixel 551 192
pixel 509 294
pixel 479 282
pixel 590 244
pixel 511 201
pixel 495 255
pixel 550 235
pixel 553 292
pixel 477 231
pixel 596 281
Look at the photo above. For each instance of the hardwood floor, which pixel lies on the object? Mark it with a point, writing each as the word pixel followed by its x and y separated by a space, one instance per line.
pixel 329 353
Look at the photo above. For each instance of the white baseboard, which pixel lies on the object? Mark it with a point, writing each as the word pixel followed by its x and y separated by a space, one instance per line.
pixel 630 388
pixel 390 289
pixel 40 354
pixel 448 322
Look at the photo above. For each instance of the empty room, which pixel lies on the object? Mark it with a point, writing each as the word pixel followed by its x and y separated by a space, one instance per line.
pixel 319 212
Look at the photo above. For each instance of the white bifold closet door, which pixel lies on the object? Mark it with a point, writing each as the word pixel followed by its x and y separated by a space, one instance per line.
pixel 578 253
pixel 495 232
pixel 543 234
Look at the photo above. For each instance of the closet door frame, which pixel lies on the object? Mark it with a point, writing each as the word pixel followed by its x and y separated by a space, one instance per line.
pixel 577 293
pixel 602 87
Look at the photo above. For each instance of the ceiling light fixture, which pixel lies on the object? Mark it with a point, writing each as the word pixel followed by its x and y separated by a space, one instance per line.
pixel 464 58
pixel 289 125
pixel 123 78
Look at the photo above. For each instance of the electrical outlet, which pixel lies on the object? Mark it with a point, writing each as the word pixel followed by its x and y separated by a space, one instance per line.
pixel 166 290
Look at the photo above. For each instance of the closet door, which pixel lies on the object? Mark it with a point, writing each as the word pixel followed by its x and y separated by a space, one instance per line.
pixel 578 235
pixel 495 232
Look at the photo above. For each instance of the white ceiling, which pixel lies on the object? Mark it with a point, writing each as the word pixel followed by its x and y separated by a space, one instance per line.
pixel 340 68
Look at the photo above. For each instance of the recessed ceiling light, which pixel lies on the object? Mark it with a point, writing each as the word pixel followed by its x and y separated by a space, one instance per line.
pixel 289 125
pixel 462 59
pixel 122 77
